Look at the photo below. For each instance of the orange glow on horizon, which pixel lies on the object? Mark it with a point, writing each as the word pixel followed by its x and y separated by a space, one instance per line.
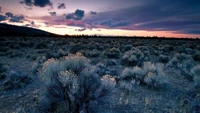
pixel 115 32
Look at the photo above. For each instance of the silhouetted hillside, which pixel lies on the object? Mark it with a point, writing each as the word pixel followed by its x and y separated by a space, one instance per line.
pixel 12 30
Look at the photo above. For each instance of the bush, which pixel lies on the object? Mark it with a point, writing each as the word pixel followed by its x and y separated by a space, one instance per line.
pixel 125 48
pixel 15 80
pixel 111 62
pixel 112 53
pixel 181 61
pixel 196 57
pixel 4 49
pixel 3 71
pixel 37 64
pixel 150 75
pixel 154 77
pixel 41 46
pixel 133 58
pixel 168 48
pixel 163 59
pixel 186 50
pixel 15 54
pixel 26 44
pixel 184 63
pixel 14 46
pixel 73 86
pixel 130 77
pixel 196 75
pixel 76 48
pixel 100 69
pixel 60 53
pixel 91 53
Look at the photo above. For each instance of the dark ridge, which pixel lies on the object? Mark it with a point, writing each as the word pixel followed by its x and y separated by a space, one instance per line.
pixel 12 30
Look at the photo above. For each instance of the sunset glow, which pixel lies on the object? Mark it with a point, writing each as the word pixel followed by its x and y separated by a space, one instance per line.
pixel 114 17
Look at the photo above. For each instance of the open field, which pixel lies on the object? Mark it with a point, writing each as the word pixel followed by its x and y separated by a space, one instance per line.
pixel 99 75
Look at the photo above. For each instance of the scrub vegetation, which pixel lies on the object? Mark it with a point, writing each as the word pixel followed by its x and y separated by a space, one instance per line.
pixel 99 75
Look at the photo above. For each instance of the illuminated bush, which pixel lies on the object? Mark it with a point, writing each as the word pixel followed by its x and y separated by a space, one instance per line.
pixel 74 86
pixel 130 77
pixel 133 58
pixel 154 75
pixel 150 75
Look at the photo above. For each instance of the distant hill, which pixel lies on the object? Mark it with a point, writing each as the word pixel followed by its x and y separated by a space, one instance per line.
pixel 12 30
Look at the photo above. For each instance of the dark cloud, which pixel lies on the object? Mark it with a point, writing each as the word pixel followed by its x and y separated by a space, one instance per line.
pixel 32 23
pixel 52 13
pixel 38 3
pixel 70 16
pixel 76 24
pixel 27 25
pixel 42 3
pixel 14 18
pixel 62 6
pixel 113 23
pixel 80 30
pixel 120 23
pixel 180 16
pixel 28 8
pixel 93 13
pixel 169 25
pixel 27 2
pixel 193 32
pixel 77 15
pixel 17 18
pixel 9 14
pixel 2 17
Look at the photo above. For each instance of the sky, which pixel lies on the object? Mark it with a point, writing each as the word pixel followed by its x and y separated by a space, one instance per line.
pixel 169 18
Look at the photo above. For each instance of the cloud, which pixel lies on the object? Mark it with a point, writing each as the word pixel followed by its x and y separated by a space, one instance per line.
pixel 179 16
pixel 52 13
pixel 28 8
pixel 77 15
pixel 14 18
pixel 113 23
pixel 27 25
pixel 2 17
pixel 193 32
pixel 93 13
pixel 38 3
pixel 80 30
pixel 170 24
pixel 32 24
pixel 17 18
pixel 76 24
pixel 27 2
pixel 42 3
pixel 9 14
pixel 62 6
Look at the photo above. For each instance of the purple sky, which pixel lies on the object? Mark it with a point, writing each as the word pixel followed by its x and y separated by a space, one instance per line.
pixel 179 18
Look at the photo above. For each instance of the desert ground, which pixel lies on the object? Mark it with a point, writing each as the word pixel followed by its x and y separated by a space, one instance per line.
pixel 99 75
